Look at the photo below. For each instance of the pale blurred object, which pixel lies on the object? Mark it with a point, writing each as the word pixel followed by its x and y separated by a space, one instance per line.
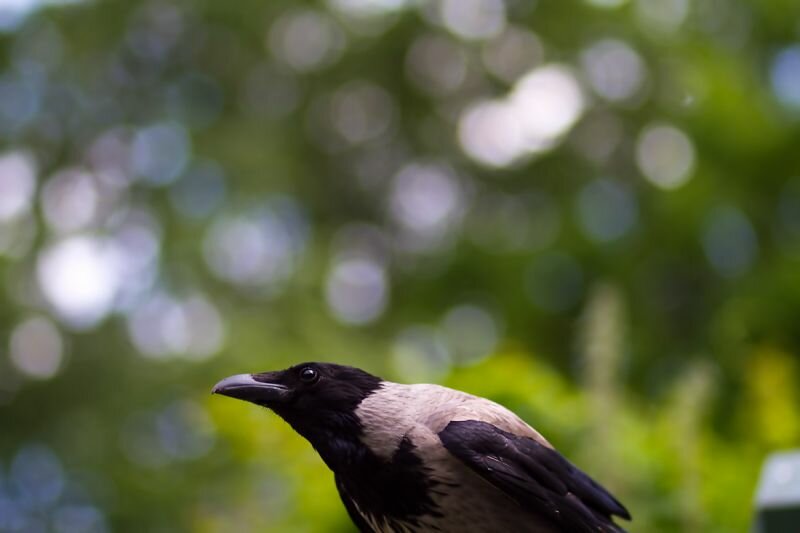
pixel 778 496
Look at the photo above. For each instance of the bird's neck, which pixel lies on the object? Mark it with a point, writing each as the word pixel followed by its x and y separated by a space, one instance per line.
pixel 335 437
pixel 341 453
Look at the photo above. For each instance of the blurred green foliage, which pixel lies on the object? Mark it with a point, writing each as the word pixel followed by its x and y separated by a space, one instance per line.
pixel 588 211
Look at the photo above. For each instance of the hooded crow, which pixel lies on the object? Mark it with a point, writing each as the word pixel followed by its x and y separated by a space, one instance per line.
pixel 410 458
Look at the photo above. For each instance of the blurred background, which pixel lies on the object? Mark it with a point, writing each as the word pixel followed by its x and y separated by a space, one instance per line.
pixel 587 210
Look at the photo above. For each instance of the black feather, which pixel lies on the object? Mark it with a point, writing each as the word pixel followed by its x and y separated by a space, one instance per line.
pixel 539 478
pixel 400 489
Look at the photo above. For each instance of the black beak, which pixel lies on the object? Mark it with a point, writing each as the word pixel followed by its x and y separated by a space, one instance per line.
pixel 245 387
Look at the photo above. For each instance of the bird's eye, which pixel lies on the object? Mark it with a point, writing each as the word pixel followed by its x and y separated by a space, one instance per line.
pixel 308 375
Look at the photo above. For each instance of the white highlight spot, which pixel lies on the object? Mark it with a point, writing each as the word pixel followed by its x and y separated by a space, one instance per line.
pixel 79 278
pixel 543 106
pixel 548 101
pixel 490 133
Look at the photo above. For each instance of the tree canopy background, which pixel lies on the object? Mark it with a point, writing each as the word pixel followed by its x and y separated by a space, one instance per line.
pixel 586 210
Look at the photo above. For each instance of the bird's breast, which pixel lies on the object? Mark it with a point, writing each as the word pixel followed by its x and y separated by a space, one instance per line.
pixel 424 488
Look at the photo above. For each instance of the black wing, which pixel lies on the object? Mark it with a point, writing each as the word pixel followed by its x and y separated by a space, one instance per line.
pixel 539 478
pixel 355 516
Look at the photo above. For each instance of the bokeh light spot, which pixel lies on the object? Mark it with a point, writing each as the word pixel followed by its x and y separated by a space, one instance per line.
pixel 36 348
pixel 729 241
pixel 614 69
pixel 427 202
pixel 306 40
pixel 420 355
pixel 17 184
pixel 70 200
pixel 361 111
pixel 543 105
pixel 474 19
pixel 367 8
pixel 160 152
pixel 357 291
pixel 490 133
pixel 665 155
pixel 200 191
pixel 785 76
pixel 258 248
pixel 607 210
pixel 606 4
pixel 664 16
pixel 79 277
pixel 548 101
pixel 436 65
pixel 472 333
pixel 164 326
pixel 37 476
pixel 512 53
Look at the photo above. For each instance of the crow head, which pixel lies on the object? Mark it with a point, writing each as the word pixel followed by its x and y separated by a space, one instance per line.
pixel 317 399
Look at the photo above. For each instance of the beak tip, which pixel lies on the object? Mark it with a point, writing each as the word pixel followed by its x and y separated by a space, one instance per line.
pixel 231 382
pixel 244 387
